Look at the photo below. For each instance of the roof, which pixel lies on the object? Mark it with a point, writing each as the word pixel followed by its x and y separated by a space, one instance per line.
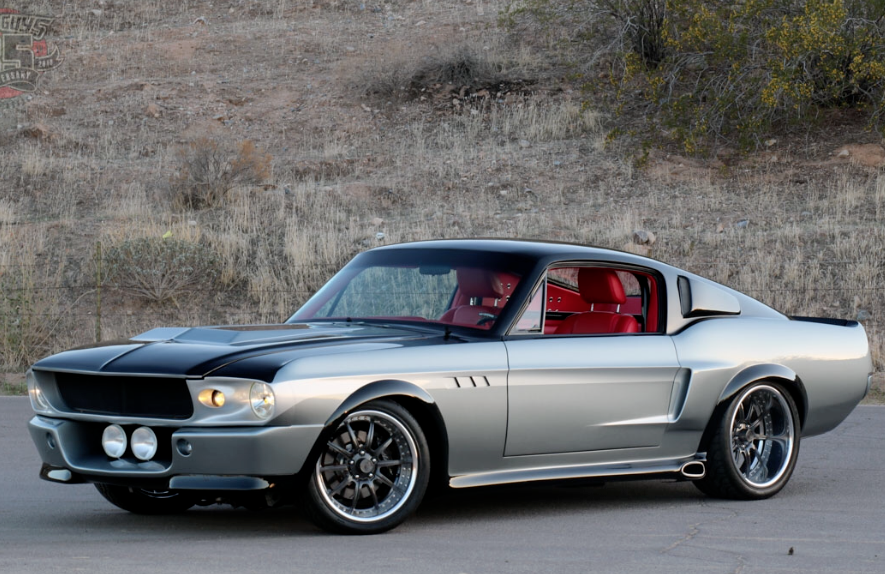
pixel 534 249
pixel 520 246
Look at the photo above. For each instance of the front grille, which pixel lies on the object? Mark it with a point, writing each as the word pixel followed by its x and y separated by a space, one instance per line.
pixel 152 397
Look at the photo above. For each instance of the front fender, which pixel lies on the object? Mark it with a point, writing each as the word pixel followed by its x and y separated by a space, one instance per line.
pixel 378 390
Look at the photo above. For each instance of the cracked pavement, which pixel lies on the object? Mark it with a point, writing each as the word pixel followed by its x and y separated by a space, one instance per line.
pixel 832 513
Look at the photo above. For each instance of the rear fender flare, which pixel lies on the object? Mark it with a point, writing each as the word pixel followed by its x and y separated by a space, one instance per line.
pixel 772 372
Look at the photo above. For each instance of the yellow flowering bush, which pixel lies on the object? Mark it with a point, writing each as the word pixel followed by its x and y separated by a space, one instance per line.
pixel 740 70
pixel 729 70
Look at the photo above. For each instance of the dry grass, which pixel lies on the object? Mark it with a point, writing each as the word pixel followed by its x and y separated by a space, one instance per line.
pixel 877 390
pixel 348 171
pixel 476 69
pixel 13 384
pixel 208 171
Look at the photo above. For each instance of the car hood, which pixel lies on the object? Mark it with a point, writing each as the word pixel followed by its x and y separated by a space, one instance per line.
pixel 250 351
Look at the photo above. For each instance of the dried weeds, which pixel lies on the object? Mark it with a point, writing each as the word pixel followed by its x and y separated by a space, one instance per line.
pixel 799 227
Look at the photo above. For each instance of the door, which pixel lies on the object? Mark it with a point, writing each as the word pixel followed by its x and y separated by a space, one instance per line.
pixel 588 393
pixel 590 366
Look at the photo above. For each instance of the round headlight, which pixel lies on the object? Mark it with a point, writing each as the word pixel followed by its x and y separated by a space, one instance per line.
pixel 262 400
pixel 38 399
pixel 144 443
pixel 113 441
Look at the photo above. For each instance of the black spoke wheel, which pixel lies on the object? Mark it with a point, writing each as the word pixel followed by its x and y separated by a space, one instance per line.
pixel 145 501
pixel 754 448
pixel 371 473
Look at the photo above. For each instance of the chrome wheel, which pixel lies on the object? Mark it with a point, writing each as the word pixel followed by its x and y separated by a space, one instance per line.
pixel 369 467
pixel 753 445
pixel 762 436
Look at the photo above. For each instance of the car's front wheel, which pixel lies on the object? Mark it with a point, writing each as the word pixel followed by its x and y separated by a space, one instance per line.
pixel 371 473
pixel 144 501
pixel 754 445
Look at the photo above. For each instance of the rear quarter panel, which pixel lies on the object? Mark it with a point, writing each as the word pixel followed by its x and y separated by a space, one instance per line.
pixel 830 363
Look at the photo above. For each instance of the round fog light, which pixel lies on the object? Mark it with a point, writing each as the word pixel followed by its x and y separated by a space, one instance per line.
pixel 113 441
pixel 144 443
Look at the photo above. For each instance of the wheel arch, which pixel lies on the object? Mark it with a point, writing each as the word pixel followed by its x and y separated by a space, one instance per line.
pixel 769 372
pixel 756 374
pixel 382 389
pixel 418 402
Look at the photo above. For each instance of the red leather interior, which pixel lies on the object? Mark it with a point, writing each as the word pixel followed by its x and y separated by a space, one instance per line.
pixel 471 315
pixel 594 322
pixel 479 283
pixel 486 289
pixel 651 318
pixel 599 285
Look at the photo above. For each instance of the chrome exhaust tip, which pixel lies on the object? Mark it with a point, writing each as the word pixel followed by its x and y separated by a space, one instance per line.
pixel 693 470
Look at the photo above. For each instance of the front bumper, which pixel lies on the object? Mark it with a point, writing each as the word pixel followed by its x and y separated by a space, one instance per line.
pixel 227 458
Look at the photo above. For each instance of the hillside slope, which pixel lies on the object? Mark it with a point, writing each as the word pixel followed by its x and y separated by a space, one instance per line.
pixel 324 128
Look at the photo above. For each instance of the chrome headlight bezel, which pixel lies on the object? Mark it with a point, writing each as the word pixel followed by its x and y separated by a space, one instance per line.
pixel 39 402
pixel 262 400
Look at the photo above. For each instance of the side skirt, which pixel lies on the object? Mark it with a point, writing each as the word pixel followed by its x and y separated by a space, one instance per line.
pixel 688 468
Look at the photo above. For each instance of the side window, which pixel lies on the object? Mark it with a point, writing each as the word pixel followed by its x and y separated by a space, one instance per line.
pixel 593 300
pixel 532 319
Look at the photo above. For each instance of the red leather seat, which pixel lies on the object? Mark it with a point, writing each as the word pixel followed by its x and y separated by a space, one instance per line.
pixel 599 286
pixel 474 285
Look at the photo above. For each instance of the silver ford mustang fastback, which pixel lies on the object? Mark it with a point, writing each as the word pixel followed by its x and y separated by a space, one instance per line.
pixel 464 362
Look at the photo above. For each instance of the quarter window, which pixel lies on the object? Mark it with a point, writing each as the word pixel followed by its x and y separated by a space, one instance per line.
pixel 532 319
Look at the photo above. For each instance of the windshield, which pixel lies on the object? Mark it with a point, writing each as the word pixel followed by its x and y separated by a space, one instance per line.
pixel 463 288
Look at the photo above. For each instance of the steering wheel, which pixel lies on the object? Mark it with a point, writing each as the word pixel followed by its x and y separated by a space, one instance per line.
pixel 485 318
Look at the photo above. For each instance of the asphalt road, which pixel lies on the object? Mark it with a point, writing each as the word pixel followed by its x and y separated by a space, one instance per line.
pixel 832 514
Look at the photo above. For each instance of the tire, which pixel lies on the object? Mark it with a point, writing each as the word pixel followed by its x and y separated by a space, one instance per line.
pixel 754 447
pixel 382 450
pixel 142 501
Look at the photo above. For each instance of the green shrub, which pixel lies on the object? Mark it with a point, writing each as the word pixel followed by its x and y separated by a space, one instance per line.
pixel 739 71
pixel 161 269
pixel 708 71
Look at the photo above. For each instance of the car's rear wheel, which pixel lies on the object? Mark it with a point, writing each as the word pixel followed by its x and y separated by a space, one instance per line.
pixel 371 473
pixel 145 501
pixel 754 446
